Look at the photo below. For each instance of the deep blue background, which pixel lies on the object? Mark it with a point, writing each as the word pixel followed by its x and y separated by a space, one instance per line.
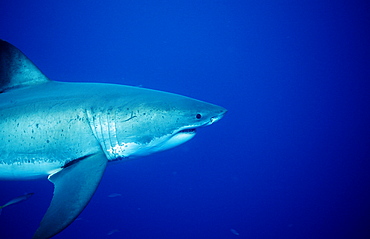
pixel 289 160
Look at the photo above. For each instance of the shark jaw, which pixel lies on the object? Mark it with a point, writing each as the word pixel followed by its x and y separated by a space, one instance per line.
pixel 179 138
pixel 132 150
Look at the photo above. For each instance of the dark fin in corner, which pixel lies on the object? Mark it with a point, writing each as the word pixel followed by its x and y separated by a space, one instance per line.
pixel 16 70
pixel 73 189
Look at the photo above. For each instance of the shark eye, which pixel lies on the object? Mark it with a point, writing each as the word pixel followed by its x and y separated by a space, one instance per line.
pixel 198 116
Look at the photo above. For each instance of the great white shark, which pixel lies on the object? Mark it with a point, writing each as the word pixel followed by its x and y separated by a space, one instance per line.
pixel 69 132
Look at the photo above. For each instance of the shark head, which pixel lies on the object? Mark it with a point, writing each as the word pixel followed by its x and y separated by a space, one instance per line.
pixel 151 121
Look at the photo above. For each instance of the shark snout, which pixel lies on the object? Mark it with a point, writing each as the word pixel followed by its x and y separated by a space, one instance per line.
pixel 218 116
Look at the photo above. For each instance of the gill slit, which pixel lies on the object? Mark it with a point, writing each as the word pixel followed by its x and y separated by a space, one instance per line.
pixel 112 131
pixel 96 127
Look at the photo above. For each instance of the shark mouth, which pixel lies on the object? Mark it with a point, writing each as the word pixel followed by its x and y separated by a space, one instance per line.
pixel 187 131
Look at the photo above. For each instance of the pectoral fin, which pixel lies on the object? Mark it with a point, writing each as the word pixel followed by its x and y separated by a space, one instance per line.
pixel 73 189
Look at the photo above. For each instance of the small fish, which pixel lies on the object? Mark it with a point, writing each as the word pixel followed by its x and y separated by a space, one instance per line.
pixel 112 232
pixel 233 231
pixel 16 200
pixel 113 195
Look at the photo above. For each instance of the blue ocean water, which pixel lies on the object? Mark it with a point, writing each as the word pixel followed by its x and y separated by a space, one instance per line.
pixel 289 160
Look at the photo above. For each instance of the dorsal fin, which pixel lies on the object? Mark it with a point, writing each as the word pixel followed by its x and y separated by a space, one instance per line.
pixel 16 70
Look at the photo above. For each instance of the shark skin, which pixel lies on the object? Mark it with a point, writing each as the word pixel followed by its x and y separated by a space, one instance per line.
pixel 69 132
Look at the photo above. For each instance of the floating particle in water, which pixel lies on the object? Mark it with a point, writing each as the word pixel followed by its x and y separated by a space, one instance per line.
pixel 233 231
pixel 112 232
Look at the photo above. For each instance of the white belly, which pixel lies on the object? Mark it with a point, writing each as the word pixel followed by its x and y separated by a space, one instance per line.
pixel 27 171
